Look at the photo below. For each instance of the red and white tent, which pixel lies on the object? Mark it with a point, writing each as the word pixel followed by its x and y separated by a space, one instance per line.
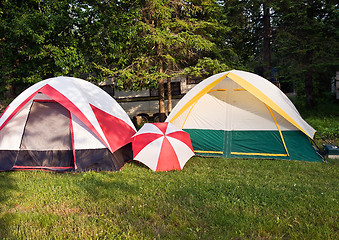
pixel 62 124
pixel 162 146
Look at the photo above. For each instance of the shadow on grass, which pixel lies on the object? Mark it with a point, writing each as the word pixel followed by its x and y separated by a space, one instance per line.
pixel 138 164
pixel 7 184
pixel 102 185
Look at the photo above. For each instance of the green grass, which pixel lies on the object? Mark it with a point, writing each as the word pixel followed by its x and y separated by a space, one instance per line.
pixel 211 198
pixel 324 117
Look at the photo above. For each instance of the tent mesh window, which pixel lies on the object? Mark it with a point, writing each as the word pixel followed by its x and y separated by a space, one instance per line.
pixel 46 141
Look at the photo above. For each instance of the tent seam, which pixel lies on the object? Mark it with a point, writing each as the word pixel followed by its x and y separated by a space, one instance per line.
pixel 281 135
pixel 197 97
pixel 235 77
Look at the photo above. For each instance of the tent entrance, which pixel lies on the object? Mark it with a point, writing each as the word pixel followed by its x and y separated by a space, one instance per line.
pixel 46 141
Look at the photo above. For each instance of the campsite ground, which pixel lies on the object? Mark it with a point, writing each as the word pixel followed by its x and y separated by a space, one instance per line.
pixel 211 198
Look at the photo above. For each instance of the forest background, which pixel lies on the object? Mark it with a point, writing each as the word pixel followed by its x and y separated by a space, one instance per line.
pixel 144 44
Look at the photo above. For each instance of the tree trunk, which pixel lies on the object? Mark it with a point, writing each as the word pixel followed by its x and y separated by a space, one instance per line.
pixel 162 109
pixel 267 41
pixel 310 101
pixel 161 90
pixel 169 95
pixel 161 87
pixel 309 89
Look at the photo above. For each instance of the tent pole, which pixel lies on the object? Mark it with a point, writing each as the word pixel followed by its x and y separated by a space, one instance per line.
pixel 281 135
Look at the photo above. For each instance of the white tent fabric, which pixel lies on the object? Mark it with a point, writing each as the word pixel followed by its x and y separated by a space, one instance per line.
pixel 253 88
pixel 239 114
pixel 79 93
pixel 96 120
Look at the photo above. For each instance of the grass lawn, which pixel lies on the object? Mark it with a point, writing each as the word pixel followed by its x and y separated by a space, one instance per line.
pixel 211 198
pixel 324 117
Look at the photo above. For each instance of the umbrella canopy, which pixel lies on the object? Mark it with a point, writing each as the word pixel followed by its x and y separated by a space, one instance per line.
pixel 162 146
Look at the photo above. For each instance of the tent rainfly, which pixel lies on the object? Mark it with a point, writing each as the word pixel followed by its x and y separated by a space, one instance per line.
pixel 65 124
pixel 238 114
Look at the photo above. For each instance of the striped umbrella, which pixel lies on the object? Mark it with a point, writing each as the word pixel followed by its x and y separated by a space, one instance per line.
pixel 162 146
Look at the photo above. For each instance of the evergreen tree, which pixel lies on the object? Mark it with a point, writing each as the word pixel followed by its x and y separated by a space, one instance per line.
pixel 307 44
pixel 171 36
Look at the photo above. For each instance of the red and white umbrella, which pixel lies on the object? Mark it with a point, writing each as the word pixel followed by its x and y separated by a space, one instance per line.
pixel 162 146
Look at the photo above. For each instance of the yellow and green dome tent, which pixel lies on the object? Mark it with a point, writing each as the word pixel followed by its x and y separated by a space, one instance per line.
pixel 238 114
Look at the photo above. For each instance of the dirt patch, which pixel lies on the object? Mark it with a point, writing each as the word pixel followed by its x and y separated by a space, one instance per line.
pixel 60 210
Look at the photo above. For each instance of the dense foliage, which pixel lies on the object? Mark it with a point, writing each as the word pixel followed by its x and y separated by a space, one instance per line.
pixel 140 43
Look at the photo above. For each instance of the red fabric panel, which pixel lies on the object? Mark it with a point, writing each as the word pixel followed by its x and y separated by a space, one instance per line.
pixel 142 140
pixel 43 100
pixel 168 159
pixel 182 136
pixel 162 126
pixel 70 106
pixel 118 133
